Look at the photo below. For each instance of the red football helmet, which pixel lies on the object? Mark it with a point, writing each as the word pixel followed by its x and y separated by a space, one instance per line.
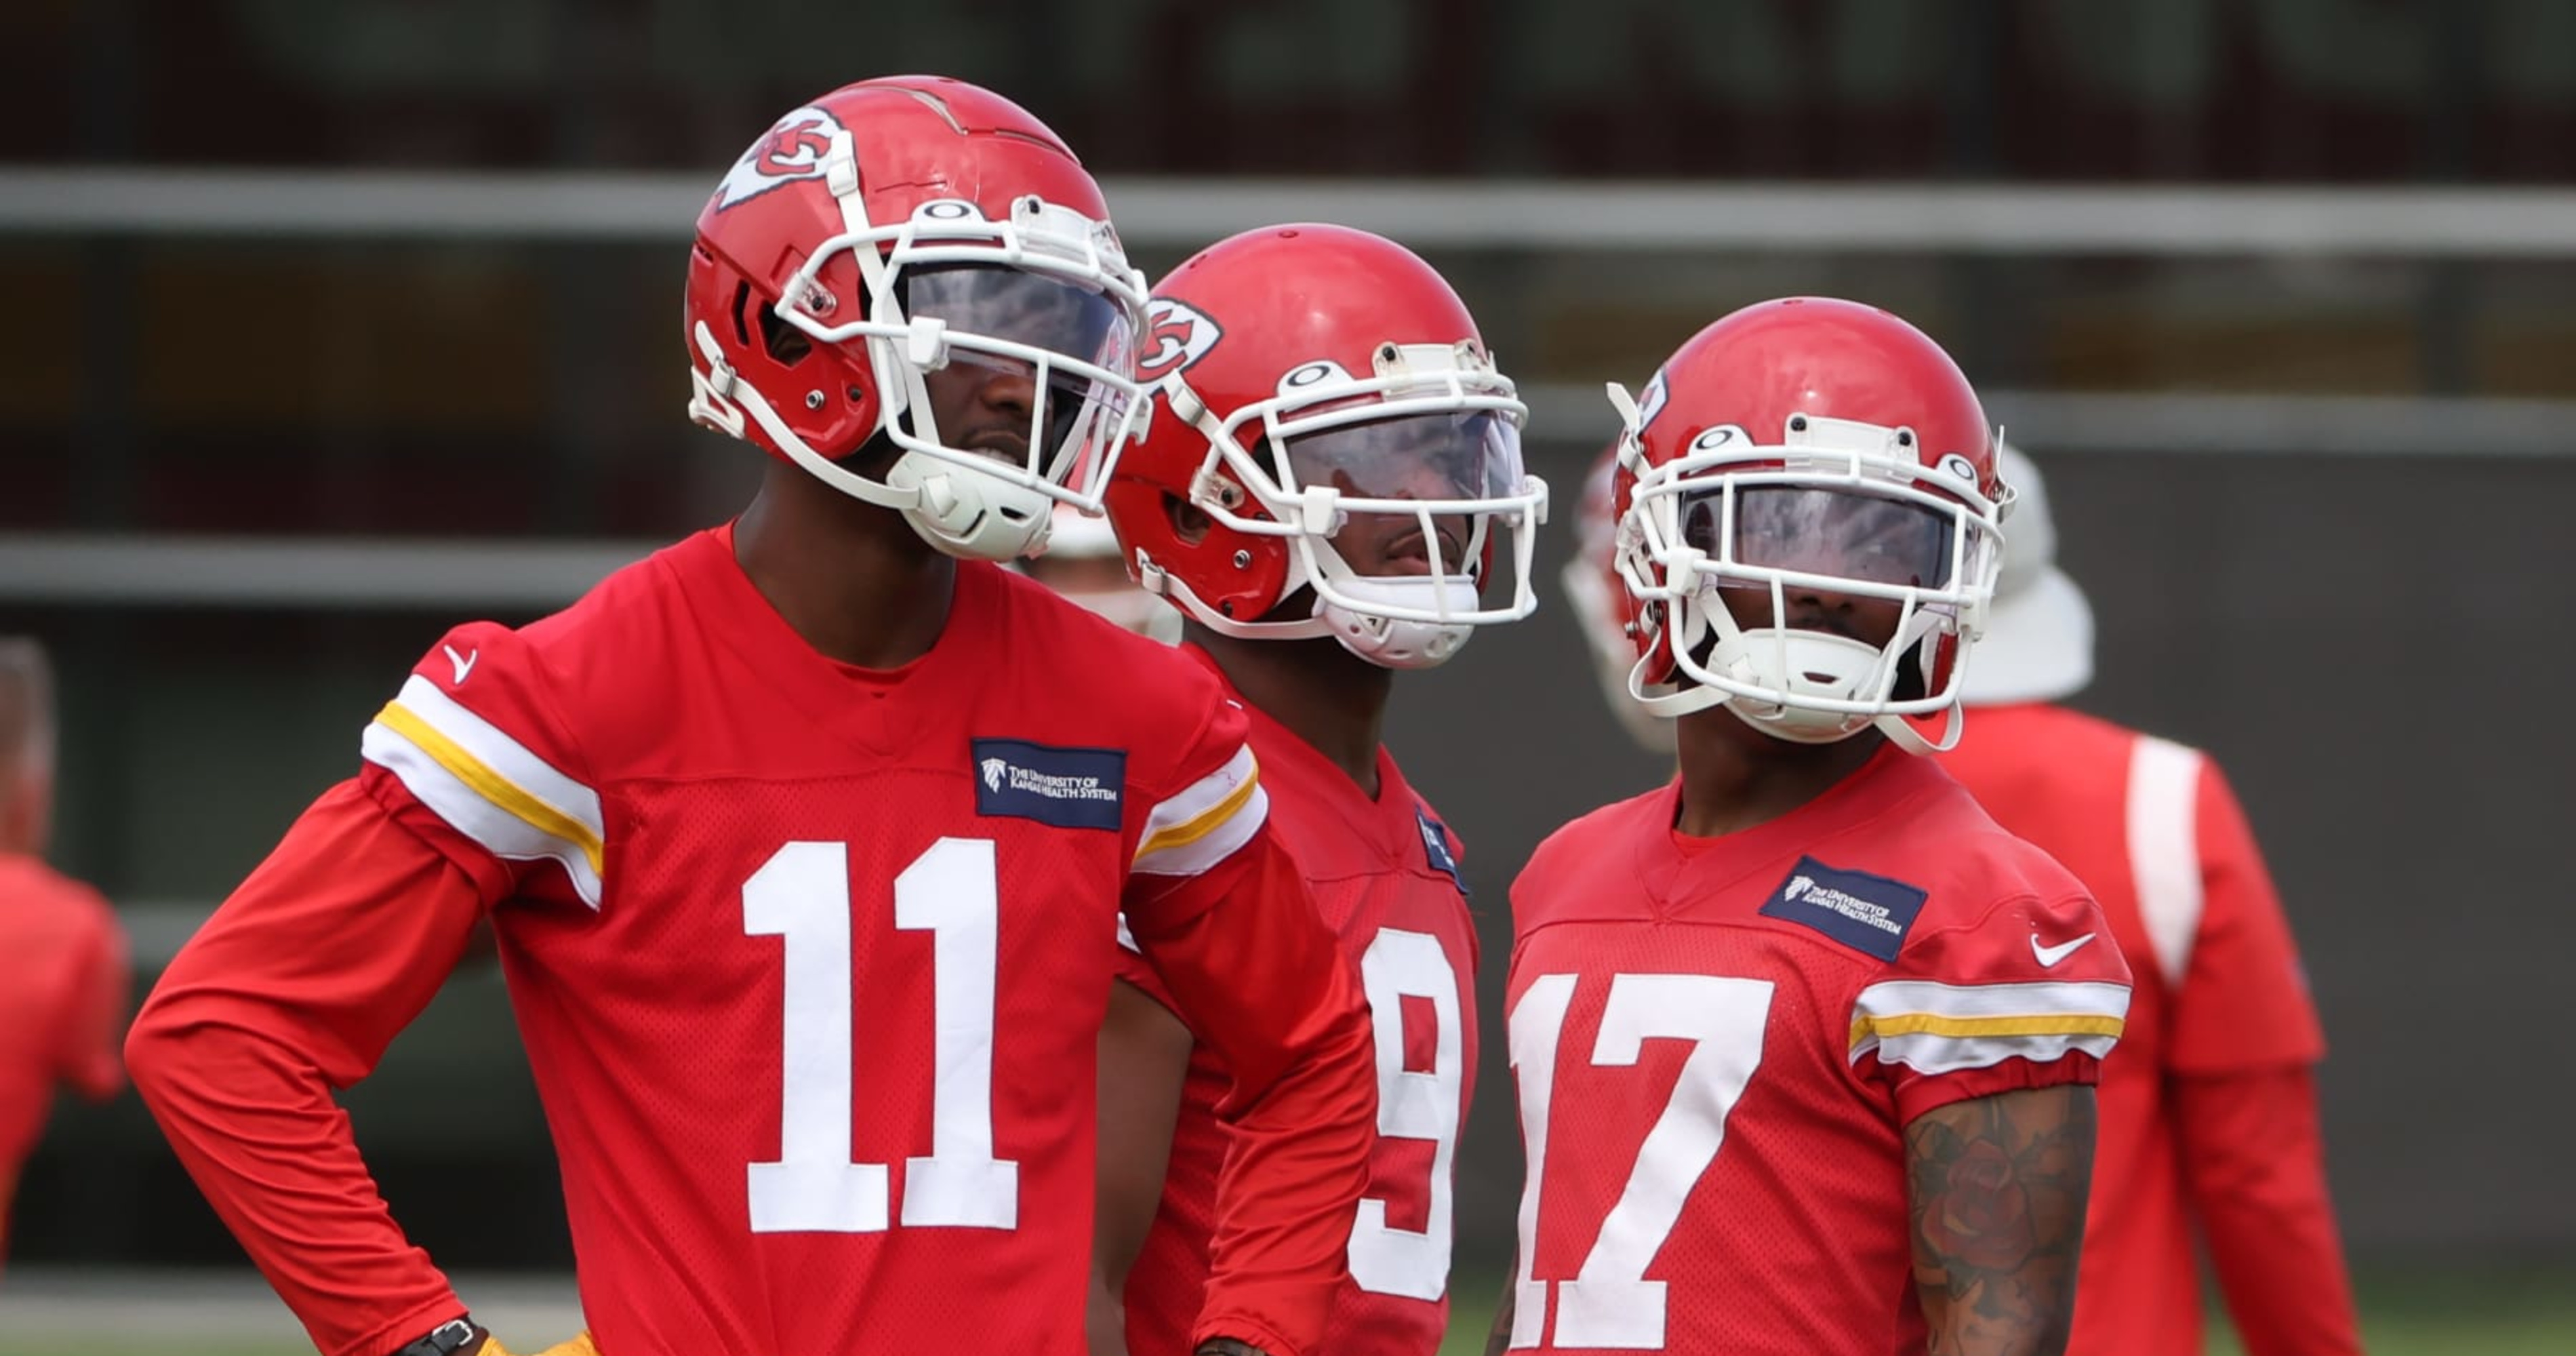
pixel 1307 380
pixel 1796 447
pixel 1592 587
pixel 881 233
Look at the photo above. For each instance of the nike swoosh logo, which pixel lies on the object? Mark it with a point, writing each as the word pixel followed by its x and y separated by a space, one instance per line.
pixel 2049 956
pixel 465 664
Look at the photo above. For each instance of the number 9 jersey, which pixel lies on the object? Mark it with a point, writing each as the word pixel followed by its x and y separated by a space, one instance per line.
pixel 1718 1043
pixel 1386 877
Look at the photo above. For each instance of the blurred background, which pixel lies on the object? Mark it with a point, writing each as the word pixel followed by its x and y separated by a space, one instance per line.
pixel 332 324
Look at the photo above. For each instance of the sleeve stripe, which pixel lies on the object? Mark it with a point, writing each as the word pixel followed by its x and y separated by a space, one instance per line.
pixel 1964 1028
pixel 2099 997
pixel 1207 822
pixel 487 785
pixel 490 785
pixel 1202 795
pixel 1220 839
pixel 2164 849
pixel 1935 1055
pixel 1936 1028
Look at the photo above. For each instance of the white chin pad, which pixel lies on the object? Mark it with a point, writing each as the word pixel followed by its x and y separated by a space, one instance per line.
pixel 968 514
pixel 1393 644
pixel 1817 664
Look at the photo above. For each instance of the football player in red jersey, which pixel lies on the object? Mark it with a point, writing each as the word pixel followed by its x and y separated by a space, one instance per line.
pixel 1803 1042
pixel 1331 467
pixel 63 977
pixel 806 840
pixel 2209 1107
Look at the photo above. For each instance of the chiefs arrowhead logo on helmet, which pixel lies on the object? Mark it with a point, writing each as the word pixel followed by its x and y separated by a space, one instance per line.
pixel 1175 337
pixel 793 150
pixel 1652 402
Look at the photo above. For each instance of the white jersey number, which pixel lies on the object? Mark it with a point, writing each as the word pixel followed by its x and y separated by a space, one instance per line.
pixel 802 896
pixel 1411 1104
pixel 1609 1303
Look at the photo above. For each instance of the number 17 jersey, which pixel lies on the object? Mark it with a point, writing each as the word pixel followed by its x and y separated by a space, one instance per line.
pixel 1718 1043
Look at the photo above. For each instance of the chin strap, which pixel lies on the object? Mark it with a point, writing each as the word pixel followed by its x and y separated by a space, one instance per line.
pixel 1902 732
pixel 721 400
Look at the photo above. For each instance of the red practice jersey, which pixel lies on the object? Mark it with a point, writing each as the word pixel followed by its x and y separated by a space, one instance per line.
pixel 62 1001
pixel 2153 830
pixel 1385 873
pixel 1719 1042
pixel 810 961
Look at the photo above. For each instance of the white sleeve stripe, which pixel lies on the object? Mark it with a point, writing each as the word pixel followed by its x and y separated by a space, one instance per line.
pixel 2164 849
pixel 1930 1054
pixel 1219 842
pixel 503 754
pixel 497 830
pixel 1127 937
pixel 1894 998
pixel 1201 796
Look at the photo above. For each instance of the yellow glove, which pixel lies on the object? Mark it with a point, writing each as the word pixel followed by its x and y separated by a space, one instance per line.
pixel 579 1346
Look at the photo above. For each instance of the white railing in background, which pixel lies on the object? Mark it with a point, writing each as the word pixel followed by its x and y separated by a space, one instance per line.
pixel 371 574
pixel 1552 217
pixel 1555 215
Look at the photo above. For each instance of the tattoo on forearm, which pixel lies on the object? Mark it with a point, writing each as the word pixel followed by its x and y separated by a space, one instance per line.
pixel 1997 1188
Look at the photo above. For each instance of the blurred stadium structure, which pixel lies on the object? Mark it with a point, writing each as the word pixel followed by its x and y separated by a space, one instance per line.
pixel 329 327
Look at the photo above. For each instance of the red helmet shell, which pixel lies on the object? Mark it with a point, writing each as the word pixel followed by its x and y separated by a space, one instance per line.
pixel 1240 322
pixel 1764 366
pixel 916 139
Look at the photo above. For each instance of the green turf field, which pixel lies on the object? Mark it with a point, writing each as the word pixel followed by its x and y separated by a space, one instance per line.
pixel 2532 1315
pixel 2462 1316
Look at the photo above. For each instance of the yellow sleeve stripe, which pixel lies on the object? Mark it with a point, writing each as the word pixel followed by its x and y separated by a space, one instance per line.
pixel 1969 1028
pixel 529 808
pixel 1205 822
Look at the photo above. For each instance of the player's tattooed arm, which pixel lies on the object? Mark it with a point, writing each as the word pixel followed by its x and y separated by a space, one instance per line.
pixel 1997 1188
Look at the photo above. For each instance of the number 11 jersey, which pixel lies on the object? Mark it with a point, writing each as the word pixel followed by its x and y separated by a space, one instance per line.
pixel 1718 1043
pixel 810 960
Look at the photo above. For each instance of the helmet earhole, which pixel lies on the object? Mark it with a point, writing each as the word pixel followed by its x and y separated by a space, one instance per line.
pixel 813 400
pixel 787 345
pixel 1243 560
